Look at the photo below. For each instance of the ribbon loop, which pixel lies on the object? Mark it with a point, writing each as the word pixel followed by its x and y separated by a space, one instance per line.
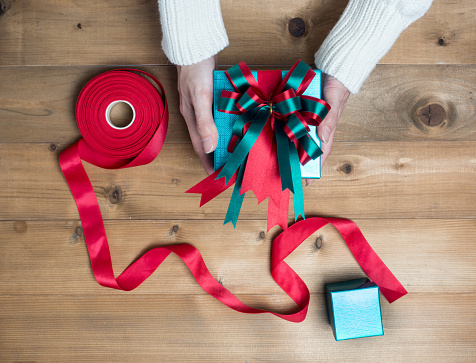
pixel 296 127
pixel 314 108
pixel 288 106
pixel 249 101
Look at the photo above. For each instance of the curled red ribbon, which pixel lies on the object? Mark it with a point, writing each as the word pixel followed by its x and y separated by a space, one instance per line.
pixel 139 144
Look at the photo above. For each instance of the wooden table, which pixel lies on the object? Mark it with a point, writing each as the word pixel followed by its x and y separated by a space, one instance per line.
pixel 403 172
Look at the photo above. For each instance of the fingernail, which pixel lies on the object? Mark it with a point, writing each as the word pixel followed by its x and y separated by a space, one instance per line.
pixel 207 145
pixel 326 134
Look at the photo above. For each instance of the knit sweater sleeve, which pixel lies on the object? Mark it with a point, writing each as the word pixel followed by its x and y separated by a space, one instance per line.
pixel 193 30
pixel 363 35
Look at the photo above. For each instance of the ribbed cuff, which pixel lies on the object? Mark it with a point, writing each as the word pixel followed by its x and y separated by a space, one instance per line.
pixel 193 30
pixel 362 36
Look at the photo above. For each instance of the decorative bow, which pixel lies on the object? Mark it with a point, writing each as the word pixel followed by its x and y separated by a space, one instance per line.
pixel 270 141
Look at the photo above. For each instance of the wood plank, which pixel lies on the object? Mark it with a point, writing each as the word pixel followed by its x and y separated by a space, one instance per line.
pixel 50 257
pixel 37 104
pixel 403 167
pixel 174 328
pixel 55 32
pixel 360 180
pixel 80 32
pixel 261 36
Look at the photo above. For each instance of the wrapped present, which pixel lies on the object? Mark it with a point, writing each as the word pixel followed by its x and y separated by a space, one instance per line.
pixel 354 309
pixel 271 139
pixel 225 121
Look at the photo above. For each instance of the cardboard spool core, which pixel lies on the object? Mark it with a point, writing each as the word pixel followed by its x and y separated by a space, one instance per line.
pixel 120 115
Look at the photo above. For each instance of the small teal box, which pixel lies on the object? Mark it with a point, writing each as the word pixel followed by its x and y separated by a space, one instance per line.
pixel 224 122
pixel 354 309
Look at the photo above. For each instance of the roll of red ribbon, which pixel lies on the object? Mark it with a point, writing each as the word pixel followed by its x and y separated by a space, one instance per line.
pixel 108 146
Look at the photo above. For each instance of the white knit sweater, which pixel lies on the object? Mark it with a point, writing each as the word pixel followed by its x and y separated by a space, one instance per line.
pixel 193 30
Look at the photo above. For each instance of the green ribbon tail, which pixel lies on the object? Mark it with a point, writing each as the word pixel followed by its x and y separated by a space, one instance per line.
pixel 297 182
pixel 236 199
pixel 282 146
pixel 241 151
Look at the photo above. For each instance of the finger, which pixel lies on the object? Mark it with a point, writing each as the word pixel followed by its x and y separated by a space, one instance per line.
pixel 326 150
pixel 329 124
pixel 202 104
pixel 189 116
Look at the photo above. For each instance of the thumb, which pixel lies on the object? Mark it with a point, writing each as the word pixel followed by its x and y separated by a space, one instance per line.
pixel 326 131
pixel 327 127
pixel 205 124
pixel 336 94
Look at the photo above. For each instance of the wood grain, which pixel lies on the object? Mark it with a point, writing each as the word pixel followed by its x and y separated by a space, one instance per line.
pixel 37 104
pixel 403 168
pixel 86 32
pixel 427 256
pixel 360 180
pixel 124 327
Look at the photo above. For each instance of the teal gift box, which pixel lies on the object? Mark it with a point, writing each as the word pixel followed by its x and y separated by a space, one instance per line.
pixel 224 122
pixel 354 309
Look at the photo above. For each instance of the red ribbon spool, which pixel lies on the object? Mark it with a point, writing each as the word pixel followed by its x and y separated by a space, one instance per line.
pixel 138 144
pixel 111 147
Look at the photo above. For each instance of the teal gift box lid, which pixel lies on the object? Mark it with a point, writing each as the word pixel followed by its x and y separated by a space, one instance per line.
pixel 354 309
pixel 224 122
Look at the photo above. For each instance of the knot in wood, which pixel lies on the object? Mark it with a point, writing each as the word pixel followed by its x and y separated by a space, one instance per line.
pixel 441 42
pixel 297 27
pixel 52 147
pixel 318 243
pixel 346 168
pixel 79 231
pixel 20 227
pixel 3 8
pixel 262 235
pixel 432 115
pixel 79 26
pixel 175 228
pixel 115 195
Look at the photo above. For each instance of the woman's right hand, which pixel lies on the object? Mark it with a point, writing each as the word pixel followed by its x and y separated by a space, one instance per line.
pixel 195 86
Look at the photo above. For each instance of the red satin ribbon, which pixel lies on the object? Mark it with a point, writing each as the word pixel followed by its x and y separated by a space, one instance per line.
pixel 151 114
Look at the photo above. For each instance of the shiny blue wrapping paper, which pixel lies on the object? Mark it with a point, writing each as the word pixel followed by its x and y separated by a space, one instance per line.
pixel 354 309
pixel 224 122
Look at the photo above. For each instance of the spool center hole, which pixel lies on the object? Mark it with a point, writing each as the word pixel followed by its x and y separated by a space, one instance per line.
pixel 121 114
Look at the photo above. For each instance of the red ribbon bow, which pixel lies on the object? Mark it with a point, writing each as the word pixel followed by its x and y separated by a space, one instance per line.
pixel 268 147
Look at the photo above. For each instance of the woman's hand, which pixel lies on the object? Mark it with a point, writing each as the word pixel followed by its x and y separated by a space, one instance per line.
pixel 195 86
pixel 336 94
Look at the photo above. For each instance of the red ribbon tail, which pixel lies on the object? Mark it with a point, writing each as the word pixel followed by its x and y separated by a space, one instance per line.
pixel 90 214
pixel 365 256
pixel 278 213
pixel 258 159
pixel 210 187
